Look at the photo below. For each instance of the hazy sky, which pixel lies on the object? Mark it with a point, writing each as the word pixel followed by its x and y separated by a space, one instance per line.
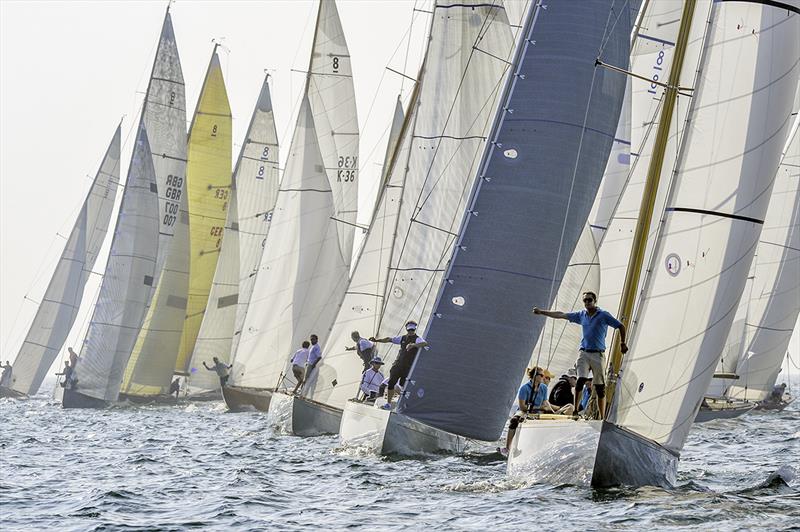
pixel 70 70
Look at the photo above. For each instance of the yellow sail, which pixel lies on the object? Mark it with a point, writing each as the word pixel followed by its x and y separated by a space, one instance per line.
pixel 208 179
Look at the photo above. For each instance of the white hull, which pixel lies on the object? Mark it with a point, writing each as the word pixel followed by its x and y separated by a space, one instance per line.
pixel 303 417
pixel 555 451
pixel 387 432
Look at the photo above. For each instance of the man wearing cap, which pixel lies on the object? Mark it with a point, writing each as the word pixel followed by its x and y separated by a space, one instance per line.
pixel 363 347
pixel 595 322
pixel 531 396
pixel 409 344
pixel 372 378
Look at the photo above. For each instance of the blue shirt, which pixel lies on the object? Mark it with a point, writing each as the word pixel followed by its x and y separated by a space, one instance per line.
pixel 594 327
pixel 526 391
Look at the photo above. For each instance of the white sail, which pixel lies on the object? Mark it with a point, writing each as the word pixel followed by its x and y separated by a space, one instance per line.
pixel 62 299
pixel 216 331
pixel 737 124
pixel 256 188
pixel 127 283
pixel 774 301
pixel 332 99
pixel 151 364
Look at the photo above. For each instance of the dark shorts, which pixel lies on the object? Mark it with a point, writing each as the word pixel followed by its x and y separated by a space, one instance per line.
pixel 399 372
pixel 512 425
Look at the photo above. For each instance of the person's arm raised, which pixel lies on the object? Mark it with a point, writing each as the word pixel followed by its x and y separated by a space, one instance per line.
pixel 557 314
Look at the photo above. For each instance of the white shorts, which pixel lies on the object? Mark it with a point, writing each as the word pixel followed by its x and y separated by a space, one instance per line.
pixel 592 361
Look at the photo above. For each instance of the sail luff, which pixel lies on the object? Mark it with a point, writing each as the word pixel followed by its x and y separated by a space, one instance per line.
pixel 59 307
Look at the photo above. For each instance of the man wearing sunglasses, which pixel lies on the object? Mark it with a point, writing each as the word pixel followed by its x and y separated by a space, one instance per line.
pixel 409 344
pixel 595 322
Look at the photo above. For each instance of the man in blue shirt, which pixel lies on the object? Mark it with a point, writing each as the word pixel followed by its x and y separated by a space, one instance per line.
pixel 595 323
pixel 532 396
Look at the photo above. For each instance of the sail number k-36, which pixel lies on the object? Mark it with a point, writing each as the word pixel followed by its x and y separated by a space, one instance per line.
pixel 347 169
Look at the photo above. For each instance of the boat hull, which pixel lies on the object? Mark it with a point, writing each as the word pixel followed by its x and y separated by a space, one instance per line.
pixel 389 433
pixel 555 451
pixel 241 399
pixel 11 393
pixel 160 399
pixel 303 417
pixel 627 459
pixel 779 406
pixel 74 399
pixel 711 410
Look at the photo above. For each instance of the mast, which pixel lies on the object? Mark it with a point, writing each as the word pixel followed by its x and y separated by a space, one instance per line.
pixel 637 256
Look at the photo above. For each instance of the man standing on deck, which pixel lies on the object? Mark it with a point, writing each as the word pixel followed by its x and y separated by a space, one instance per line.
pixel 5 379
pixel 222 370
pixel 314 355
pixel 410 344
pixel 363 347
pixel 595 322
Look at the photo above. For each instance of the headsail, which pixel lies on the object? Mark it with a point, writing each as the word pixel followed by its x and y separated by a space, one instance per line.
pixel 59 306
pixel 149 370
pixel 256 188
pixel 715 210
pixel 549 146
pixel 127 283
pixel 449 117
pixel 208 188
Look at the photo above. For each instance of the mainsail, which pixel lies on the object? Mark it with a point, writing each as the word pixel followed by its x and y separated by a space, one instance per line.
pixel 305 267
pixel 774 301
pixel 62 299
pixel 256 188
pixel 549 146
pixel 723 175
pixel 449 117
pixel 127 283
pixel 149 369
pixel 208 188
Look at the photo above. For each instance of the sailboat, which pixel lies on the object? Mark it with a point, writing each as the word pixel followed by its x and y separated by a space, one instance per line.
pixel 254 188
pixel 59 306
pixel 125 291
pixel 718 190
pixel 149 370
pixel 306 262
pixel 772 302
pixel 541 167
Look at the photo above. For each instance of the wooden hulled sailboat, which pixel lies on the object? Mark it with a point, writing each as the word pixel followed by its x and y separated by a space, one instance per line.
pixel 61 301
pixel 149 370
pixel 306 262
pixel 125 291
pixel 715 205
pixel 254 188
pixel 550 135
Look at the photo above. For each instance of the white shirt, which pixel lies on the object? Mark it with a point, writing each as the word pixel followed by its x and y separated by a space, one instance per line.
pixel 398 339
pixel 314 354
pixel 371 381
pixel 364 344
pixel 300 357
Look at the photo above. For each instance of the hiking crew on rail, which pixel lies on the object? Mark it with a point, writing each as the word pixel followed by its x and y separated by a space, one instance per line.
pixel 410 344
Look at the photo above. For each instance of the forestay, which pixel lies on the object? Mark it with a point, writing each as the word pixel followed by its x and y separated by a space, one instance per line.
pixel 127 283
pixel 62 299
pixel 774 302
pixel 208 180
pixel 150 367
pixel 549 146
pixel 256 189
pixel 738 123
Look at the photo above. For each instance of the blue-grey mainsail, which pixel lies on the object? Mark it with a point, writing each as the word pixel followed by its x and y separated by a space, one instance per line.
pixel 551 139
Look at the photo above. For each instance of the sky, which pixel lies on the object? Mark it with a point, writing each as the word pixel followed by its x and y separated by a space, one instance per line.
pixel 70 70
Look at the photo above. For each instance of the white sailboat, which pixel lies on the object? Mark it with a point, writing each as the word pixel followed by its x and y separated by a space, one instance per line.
pixel 306 263
pixel 126 288
pixel 772 301
pixel 149 370
pixel 475 308
pixel 255 187
pixel 59 306
pixel 717 197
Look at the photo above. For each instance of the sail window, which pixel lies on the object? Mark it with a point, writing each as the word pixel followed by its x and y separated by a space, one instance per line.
pixel 458 301
pixel 511 153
